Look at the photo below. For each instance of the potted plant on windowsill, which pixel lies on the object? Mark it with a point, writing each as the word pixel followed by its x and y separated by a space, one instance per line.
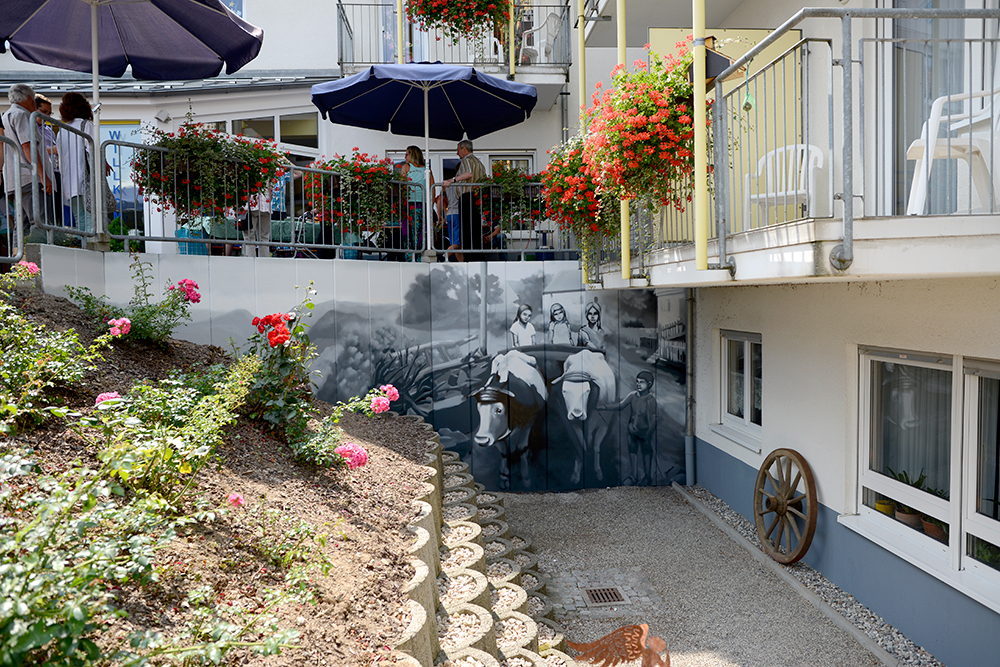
pixel 904 513
pixel 934 527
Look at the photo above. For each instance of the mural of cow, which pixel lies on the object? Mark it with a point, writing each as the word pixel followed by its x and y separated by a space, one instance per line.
pixel 587 383
pixel 508 406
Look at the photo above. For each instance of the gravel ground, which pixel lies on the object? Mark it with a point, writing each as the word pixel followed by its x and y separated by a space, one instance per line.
pixel 713 604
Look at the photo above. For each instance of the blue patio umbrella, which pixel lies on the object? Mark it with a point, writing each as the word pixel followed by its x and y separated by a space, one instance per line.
pixel 426 100
pixel 161 40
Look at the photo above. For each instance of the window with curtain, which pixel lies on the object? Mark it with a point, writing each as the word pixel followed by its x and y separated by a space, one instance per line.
pixel 742 374
pixel 929 488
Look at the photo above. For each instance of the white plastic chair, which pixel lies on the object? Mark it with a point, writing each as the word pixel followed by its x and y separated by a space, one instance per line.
pixel 977 142
pixel 545 33
pixel 785 176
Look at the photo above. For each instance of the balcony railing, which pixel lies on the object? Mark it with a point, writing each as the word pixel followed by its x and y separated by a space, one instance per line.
pixel 315 214
pixel 918 132
pixel 368 36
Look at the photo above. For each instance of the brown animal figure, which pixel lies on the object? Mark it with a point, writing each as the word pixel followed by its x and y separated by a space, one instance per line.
pixel 625 644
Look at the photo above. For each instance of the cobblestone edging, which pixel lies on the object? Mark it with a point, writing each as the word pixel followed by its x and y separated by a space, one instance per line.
pixel 452 491
pixel 887 643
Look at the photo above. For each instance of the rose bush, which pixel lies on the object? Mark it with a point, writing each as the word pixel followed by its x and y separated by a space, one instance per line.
pixel 147 320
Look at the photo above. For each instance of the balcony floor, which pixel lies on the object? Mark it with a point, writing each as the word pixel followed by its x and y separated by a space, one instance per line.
pixel 890 248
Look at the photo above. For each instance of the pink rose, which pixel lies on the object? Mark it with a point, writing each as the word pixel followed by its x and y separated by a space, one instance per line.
pixel 390 392
pixel 106 396
pixel 30 267
pixel 236 500
pixel 380 404
pixel 355 455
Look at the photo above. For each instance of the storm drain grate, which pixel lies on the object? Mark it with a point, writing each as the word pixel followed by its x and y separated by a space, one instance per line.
pixel 596 596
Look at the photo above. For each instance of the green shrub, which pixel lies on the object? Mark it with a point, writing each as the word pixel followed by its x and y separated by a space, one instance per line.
pixel 151 321
pixel 33 359
pixel 159 437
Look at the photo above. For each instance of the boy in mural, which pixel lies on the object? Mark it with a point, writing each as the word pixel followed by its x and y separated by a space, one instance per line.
pixel 641 427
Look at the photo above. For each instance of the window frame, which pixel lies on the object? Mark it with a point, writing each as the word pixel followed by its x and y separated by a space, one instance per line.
pixel 949 562
pixel 743 425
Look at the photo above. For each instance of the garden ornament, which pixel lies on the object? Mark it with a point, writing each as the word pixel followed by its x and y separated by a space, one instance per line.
pixel 626 644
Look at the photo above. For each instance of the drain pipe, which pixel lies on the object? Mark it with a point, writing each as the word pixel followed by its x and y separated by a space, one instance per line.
pixel 689 469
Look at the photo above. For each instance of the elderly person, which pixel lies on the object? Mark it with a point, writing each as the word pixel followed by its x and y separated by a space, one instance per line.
pixel 18 126
pixel 470 170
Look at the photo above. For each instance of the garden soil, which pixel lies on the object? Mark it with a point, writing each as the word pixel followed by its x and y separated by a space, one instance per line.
pixel 363 512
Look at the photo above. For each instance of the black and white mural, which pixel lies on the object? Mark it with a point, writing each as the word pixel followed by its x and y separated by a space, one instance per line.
pixel 537 382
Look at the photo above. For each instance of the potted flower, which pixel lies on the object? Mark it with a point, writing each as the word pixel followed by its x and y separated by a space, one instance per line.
pixel 358 195
pixel 512 201
pixel 640 133
pixel 203 173
pixel 905 513
pixel 459 18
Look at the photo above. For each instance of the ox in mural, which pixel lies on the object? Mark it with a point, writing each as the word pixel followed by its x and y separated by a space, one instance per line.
pixel 508 406
pixel 586 384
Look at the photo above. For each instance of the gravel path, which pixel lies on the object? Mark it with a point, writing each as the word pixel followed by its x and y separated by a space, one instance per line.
pixel 695 586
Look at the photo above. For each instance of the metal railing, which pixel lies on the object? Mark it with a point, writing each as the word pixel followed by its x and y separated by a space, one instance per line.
pixel 324 214
pixel 368 36
pixel 784 139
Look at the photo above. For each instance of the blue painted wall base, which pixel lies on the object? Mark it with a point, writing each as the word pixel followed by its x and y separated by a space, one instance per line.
pixel 957 630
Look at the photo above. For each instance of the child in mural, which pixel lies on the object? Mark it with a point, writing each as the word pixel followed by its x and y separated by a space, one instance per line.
pixel 591 334
pixel 559 332
pixel 641 427
pixel 521 331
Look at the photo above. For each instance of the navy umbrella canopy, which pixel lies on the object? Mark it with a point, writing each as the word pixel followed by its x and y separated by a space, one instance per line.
pixel 161 39
pixel 460 101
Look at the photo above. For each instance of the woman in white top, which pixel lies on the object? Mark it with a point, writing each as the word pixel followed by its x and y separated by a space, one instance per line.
pixel 73 150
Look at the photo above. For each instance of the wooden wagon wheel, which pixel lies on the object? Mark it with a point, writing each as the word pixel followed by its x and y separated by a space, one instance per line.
pixel 784 505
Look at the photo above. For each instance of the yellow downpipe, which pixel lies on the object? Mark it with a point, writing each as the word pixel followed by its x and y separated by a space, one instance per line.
pixel 626 245
pixel 581 43
pixel 510 41
pixel 700 140
pixel 399 32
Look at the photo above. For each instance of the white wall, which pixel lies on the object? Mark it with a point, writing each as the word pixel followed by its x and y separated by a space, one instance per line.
pixel 810 335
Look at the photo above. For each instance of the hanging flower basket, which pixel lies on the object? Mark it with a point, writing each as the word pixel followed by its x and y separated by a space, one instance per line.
pixel 201 172
pixel 640 137
pixel 572 198
pixel 459 18
pixel 360 194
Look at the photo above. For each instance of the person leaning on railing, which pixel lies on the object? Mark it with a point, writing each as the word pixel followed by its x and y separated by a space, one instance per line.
pixel 469 211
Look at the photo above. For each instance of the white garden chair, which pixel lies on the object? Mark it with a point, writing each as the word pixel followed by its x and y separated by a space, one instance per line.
pixel 785 176
pixel 973 137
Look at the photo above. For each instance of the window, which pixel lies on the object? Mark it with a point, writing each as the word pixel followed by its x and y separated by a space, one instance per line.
pixel 908 471
pixel 255 127
pixel 520 162
pixel 741 381
pixel 929 478
pixel 301 129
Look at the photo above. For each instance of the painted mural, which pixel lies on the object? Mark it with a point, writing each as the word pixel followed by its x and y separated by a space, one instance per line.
pixel 537 382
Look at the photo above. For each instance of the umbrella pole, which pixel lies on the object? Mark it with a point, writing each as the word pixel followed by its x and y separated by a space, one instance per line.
pixel 429 256
pixel 98 193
